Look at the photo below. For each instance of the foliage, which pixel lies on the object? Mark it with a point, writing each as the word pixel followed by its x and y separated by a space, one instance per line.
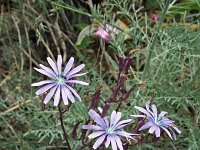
pixel 31 30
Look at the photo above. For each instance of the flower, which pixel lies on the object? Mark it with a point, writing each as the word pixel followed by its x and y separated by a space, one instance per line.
pixel 59 83
pixel 108 33
pixel 154 17
pixel 157 122
pixel 109 130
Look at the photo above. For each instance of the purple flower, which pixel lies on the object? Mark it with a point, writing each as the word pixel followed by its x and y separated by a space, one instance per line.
pixel 59 82
pixel 108 131
pixel 108 33
pixel 157 122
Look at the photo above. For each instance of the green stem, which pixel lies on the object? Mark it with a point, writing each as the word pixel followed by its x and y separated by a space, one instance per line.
pixel 151 47
pixel 72 9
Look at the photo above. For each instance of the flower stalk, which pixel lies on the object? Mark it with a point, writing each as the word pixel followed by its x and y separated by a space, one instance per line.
pixel 63 128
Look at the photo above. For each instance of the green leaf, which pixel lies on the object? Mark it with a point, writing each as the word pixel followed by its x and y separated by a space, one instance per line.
pixel 84 39
pixel 85 43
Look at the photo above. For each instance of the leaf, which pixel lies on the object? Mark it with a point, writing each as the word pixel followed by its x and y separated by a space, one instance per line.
pixel 43 137
pixel 52 138
pixel 85 43
pixel 95 99
pixel 86 32
pixel 81 26
pixel 74 131
pixel 81 109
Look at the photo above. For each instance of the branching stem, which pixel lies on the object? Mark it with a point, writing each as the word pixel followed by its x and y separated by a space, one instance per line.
pixel 63 128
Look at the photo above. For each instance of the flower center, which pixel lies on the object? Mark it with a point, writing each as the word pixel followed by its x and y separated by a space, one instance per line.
pixel 158 121
pixel 60 80
pixel 110 131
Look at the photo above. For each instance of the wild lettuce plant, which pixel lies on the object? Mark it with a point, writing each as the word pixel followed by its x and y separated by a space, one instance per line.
pixel 160 64
pixel 108 131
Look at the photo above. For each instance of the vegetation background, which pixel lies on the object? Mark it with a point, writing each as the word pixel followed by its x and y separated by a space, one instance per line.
pixel 31 30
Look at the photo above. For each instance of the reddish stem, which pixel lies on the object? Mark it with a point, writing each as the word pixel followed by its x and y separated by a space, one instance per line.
pixel 63 128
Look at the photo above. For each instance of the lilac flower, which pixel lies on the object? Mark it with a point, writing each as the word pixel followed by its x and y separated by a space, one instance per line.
pixel 108 130
pixel 59 82
pixel 157 122
pixel 108 33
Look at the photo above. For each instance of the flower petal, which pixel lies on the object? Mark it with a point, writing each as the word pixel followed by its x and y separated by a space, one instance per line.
pixel 173 134
pixel 147 125
pixel 68 66
pixel 138 116
pixel 50 95
pixel 153 128
pixel 75 70
pixel 155 112
pixel 119 142
pixel 147 107
pixel 112 117
pixel 42 82
pixel 92 127
pixel 44 88
pixel 103 34
pixel 112 29
pixel 97 118
pixel 59 64
pixel 64 96
pixel 167 122
pixel 117 118
pixel 77 81
pixel 162 114
pixel 169 134
pixel 144 111
pixel 57 96
pixel 106 120
pixel 53 65
pixel 99 141
pixel 69 94
pixel 177 130
pixel 49 70
pixel 77 75
pixel 113 143
pixel 74 92
pixel 96 134
pixel 107 143
pixel 44 73
pixel 125 134
pixel 100 110
pixel 123 123
pixel 157 131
